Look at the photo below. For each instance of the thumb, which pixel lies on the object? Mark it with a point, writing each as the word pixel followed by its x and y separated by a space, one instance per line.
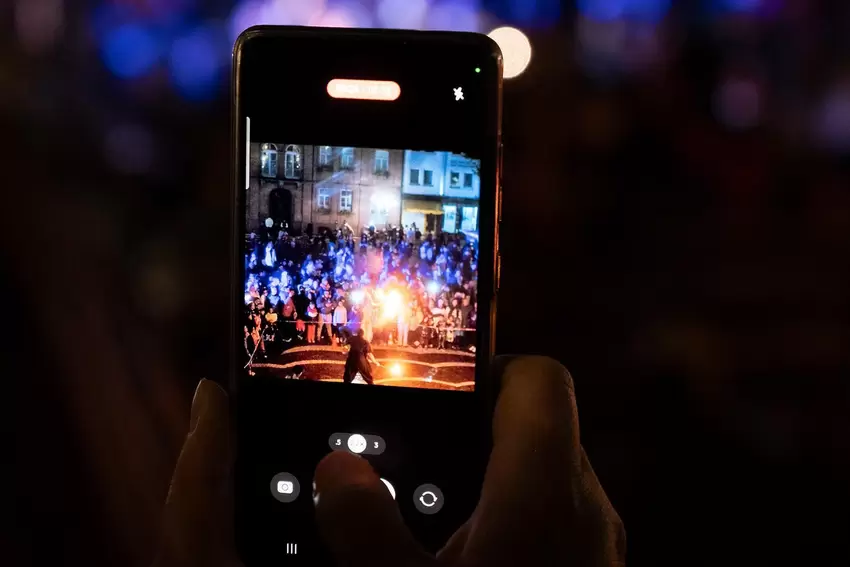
pixel 197 528
pixel 359 519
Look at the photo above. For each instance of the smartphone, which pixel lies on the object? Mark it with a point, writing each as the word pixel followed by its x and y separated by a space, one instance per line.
pixel 365 272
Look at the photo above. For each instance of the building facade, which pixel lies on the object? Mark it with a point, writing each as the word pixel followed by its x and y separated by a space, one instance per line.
pixel 323 185
pixel 440 191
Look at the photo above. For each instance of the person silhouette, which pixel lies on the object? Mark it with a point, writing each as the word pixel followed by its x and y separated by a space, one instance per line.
pixel 360 359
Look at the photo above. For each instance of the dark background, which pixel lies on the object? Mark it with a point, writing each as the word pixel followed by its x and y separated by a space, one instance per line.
pixel 677 191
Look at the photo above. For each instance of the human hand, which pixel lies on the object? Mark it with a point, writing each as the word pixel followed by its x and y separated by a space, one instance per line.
pixel 198 522
pixel 541 503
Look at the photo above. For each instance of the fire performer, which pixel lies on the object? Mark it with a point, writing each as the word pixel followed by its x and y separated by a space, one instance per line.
pixel 360 359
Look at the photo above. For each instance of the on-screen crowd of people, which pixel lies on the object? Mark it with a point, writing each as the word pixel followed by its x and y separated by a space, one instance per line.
pixel 399 286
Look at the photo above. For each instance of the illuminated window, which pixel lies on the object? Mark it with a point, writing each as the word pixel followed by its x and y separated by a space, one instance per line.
pixel 414 177
pixel 427 177
pixel 292 163
pixel 454 179
pixel 382 161
pixel 268 160
pixel 347 159
pixel 325 156
pixel 346 200
pixel 467 180
pixel 469 219
pixel 324 198
pixel 449 218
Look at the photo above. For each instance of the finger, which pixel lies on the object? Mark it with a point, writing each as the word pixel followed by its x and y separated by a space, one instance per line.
pixel 454 548
pixel 198 520
pixel 359 518
pixel 535 460
pixel 603 529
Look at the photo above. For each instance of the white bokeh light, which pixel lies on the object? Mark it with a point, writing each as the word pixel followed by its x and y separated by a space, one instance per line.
pixel 516 50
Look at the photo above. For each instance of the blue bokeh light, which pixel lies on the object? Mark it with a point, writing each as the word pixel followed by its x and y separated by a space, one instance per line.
pixel 533 11
pixel 456 15
pixel 609 10
pixel 130 50
pixel 741 5
pixel 106 17
pixel 196 62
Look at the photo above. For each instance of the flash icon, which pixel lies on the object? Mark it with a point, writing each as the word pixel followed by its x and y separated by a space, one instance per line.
pixel 458 93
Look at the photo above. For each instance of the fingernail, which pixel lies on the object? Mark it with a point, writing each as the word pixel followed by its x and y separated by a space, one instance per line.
pixel 199 404
pixel 342 469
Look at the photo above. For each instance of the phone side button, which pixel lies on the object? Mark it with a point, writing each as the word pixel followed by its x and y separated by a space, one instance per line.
pixel 498 270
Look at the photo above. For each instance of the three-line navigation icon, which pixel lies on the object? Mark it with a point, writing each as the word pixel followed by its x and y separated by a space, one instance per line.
pixel 292 549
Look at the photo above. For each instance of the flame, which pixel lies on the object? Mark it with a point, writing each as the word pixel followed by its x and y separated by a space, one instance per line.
pixel 391 305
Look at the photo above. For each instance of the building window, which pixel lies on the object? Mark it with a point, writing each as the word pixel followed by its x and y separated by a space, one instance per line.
pixel 469 219
pixel 325 156
pixel 324 198
pixel 427 177
pixel 414 177
pixel 268 160
pixel 467 180
pixel 449 218
pixel 347 159
pixel 382 162
pixel 454 179
pixel 292 165
pixel 346 201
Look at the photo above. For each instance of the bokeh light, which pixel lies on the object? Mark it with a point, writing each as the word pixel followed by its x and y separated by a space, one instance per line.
pixel 38 23
pixel 194 62
pixel 275 12
pixel 516 50
pixel 243 16
pixel 742 5
pixel 350 14
pixel 129 148
pixel 395 369
pixel 737 103
pixel 131 50
pixel 832 119
pixel 533 11
pixel 292 12
pixel 402 14
pixel 609 10
pixel 458 15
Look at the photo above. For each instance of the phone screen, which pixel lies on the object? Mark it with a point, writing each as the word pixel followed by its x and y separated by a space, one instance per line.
pixel 382 289
pixel 365 262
